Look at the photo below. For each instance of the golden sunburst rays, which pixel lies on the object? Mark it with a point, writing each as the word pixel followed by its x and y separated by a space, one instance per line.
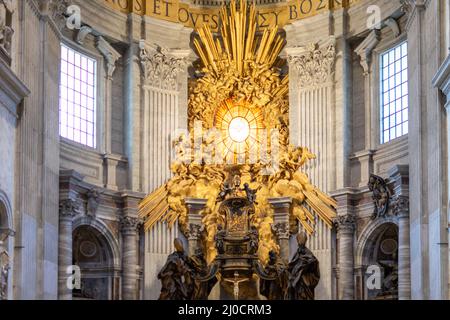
pixel 238 45
pixel 240 93
pixel 240 126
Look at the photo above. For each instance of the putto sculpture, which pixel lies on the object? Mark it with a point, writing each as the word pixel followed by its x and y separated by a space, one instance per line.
pixel 240 83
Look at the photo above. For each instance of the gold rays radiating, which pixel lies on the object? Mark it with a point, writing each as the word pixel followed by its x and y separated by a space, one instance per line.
pixel 239 45
pixel 239 78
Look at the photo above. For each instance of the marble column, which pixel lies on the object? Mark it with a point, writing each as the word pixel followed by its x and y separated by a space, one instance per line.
pixel 67 210
pixel 401 210
pixel 281 227
pixel 194 206
pixel 130 226
pixel 345 225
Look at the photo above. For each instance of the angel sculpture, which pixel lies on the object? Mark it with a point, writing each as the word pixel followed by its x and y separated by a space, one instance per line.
pixel 257 76
pixel 226 190
pixel 251 193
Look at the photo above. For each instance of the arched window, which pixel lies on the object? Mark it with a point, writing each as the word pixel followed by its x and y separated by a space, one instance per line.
pixel 78 97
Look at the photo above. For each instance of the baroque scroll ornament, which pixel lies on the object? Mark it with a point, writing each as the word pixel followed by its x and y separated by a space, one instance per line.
pixel 239 70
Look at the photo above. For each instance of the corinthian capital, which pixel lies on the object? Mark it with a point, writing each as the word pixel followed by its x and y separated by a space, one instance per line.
pixel 345 222
pixel 281 230
pixel 130 224
pixel 400 206
pixel 195 232
pixel 314 64
pixel 160 68
pixel 68 208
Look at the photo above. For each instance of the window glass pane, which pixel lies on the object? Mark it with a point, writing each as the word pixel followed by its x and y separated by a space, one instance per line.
pixel 77 97
pixel 394 93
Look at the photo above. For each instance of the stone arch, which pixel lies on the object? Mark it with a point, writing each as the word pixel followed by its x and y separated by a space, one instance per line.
pixel 6 219
pixel 96 252
pixel 377 245
pixel 6 245
pixel 105 231
pixel 369 234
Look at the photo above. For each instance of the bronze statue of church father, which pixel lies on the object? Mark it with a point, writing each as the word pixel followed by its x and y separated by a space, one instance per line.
pixel 237 270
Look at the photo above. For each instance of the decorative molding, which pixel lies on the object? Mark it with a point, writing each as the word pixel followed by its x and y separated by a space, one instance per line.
pixel 394 26
pixel 314 64
pixel 160 67
pixel 407 6
pixel 130 224
pixel 109 53
pixel 68 208
pixel 364 50
pixel 442 80
pixel 195 231
pixel 380 195
pixel 346 222
pixel 12 90
pixel 400 206
pixel 282 230
pixel 7 10
pixel 83 33
pixel 57 10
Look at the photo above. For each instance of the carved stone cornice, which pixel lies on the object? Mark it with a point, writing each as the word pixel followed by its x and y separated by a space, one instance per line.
pixel 400 206
pixel 109 53
pixel 83 33
pixel 12 90
pixel 160 68
pixel 68 208
pixel 394 26
pixel 314 64
pixel 345 223
pixel 57 10
pixel 442 81
pixel 407 6
pixel 364 50
pixel 130 224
